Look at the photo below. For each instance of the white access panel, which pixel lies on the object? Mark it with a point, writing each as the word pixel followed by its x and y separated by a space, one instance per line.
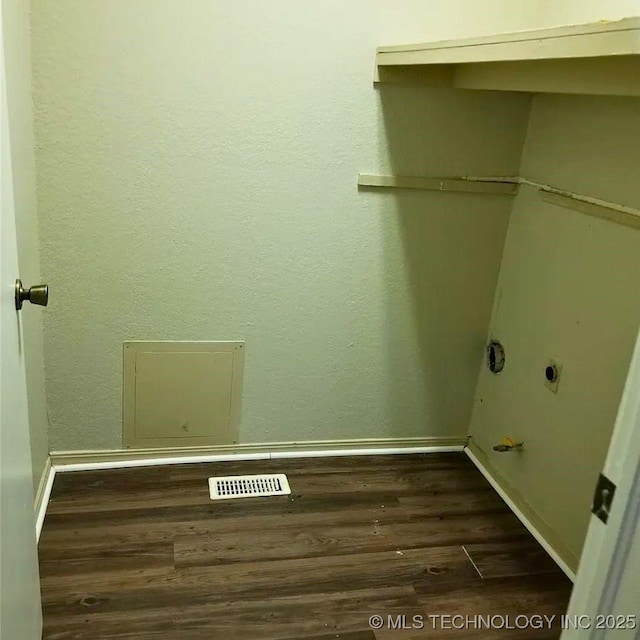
pixel 181 394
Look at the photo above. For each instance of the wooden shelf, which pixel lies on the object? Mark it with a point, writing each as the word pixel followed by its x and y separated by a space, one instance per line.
pixel 598 58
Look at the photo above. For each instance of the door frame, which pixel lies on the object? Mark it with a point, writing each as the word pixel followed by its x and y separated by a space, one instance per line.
pixel 607 546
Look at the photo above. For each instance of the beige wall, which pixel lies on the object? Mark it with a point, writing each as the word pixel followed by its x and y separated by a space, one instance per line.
pixel 18 69
pixel 199 183
pixel 568 291
pixel 197 171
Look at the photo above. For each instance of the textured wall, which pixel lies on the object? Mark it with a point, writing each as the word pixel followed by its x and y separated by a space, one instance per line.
pixel 568 290
pixel 18 69
pixel 197 166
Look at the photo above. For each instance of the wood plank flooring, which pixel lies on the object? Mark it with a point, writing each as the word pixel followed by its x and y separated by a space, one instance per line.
pixel 143 554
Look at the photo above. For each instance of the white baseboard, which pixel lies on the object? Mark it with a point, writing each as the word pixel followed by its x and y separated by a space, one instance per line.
pixel 43 494
pixel 64 461
pixel 534 524
pixel 366 452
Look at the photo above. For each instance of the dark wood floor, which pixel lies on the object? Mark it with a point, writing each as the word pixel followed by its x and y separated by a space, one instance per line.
pixel 144 554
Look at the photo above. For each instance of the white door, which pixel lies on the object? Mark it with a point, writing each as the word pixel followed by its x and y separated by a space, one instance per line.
pixel 20 611
pixel 605 602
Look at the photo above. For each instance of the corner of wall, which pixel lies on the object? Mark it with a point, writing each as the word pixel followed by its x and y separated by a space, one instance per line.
pixel 497 290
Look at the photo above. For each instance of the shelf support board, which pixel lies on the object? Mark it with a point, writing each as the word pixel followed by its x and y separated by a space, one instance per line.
pixel 624 216
pixel 508 185
pixel 461 184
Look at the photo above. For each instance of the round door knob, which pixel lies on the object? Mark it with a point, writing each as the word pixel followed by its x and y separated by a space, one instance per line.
pixel 39 294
